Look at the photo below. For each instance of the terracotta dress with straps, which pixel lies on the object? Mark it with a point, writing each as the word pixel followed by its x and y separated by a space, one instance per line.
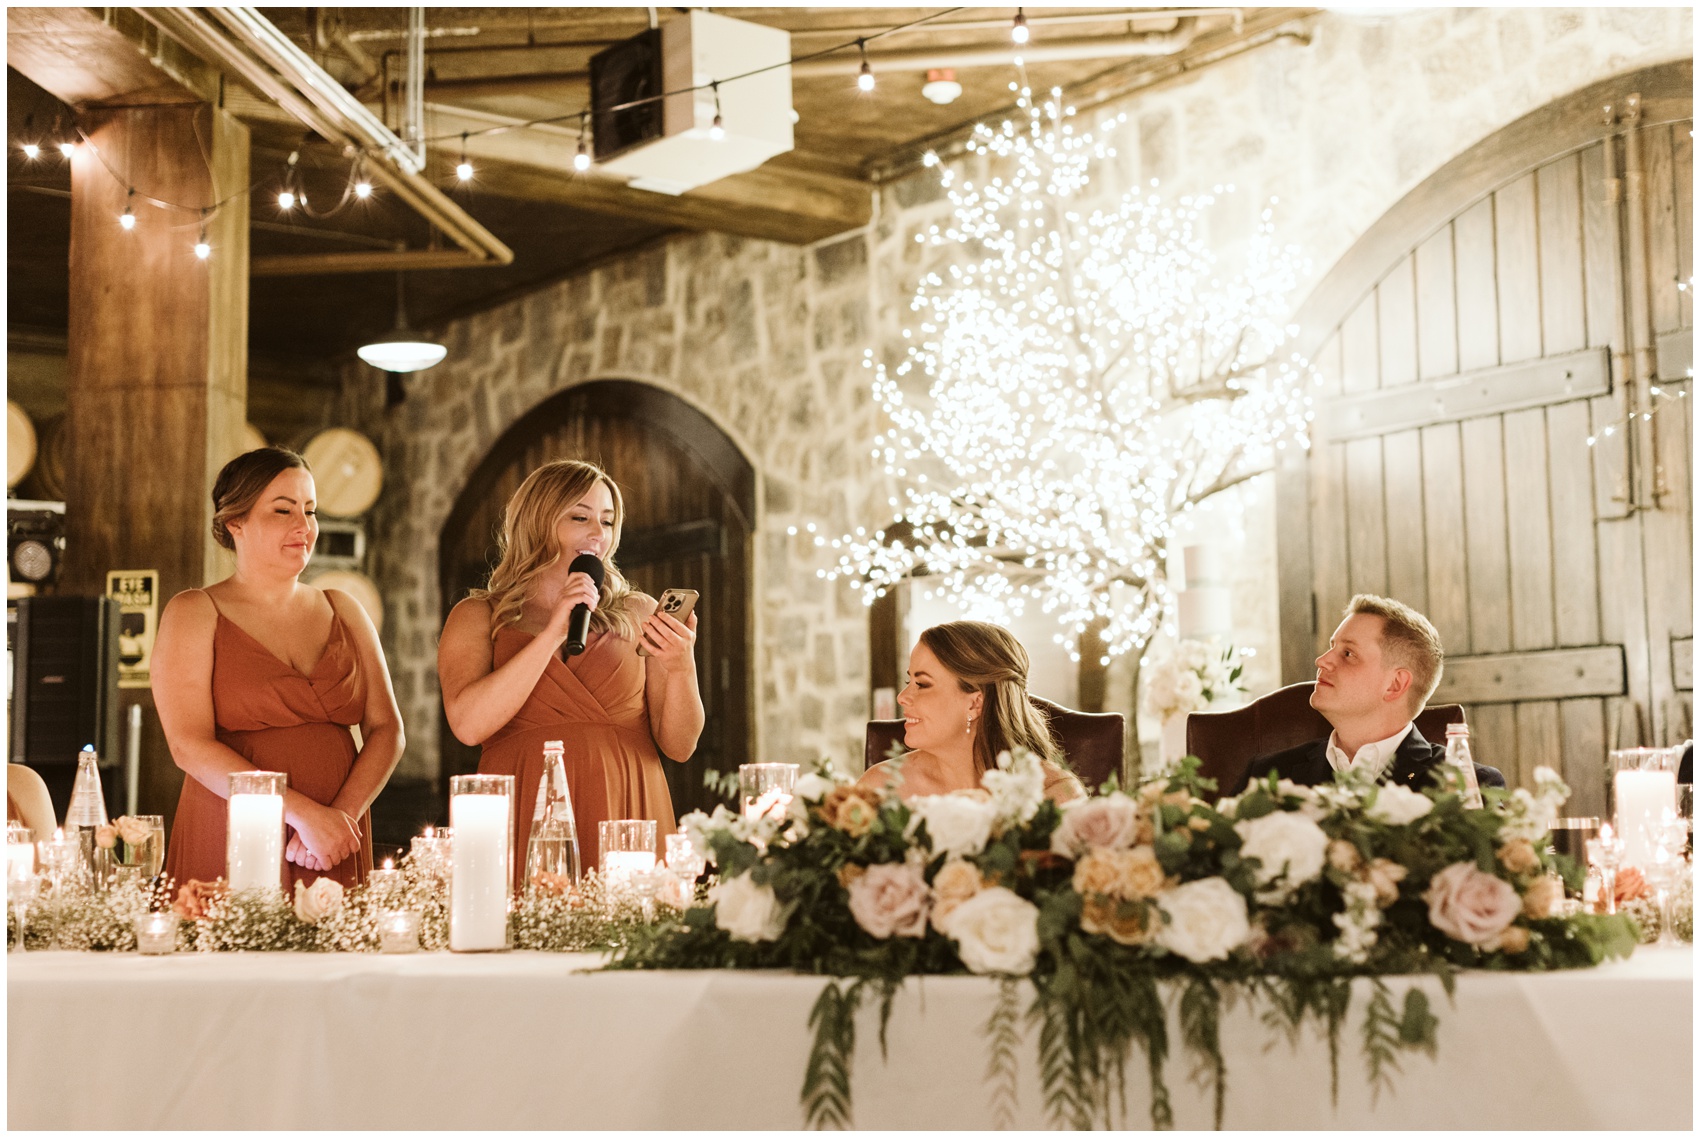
pixel 279 719
pixel 594 704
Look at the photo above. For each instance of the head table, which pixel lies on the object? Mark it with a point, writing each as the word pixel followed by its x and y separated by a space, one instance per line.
pixel 533 1040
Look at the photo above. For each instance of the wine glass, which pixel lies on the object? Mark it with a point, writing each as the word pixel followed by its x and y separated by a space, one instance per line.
pixel 21 886
pixel 1665 869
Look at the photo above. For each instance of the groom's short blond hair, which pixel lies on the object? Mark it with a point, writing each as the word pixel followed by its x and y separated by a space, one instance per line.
pixel 1408 641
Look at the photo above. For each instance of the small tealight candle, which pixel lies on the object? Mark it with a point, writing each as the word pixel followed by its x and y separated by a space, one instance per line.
pixel 431 850
pixel 385 881
pixel 156 933
pixel 398 930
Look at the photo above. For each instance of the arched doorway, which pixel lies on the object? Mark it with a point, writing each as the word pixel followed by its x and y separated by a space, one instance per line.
pixel 1484 347
pixel 690 510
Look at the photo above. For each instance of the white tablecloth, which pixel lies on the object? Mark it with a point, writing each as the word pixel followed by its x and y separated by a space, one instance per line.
pixel 526 1040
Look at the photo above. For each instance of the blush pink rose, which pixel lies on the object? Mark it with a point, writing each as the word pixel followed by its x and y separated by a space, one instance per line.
pixel 1107 823
pixel 890 900
pixel 1469 905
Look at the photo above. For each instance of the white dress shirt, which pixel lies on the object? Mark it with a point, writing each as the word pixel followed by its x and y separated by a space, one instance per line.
pixel 1372 759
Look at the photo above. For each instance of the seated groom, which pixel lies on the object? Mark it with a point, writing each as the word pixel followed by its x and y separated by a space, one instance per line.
pixel 1382 664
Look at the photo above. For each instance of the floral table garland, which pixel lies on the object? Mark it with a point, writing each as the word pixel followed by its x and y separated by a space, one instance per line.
pixel 1105 906
pixel 1284 893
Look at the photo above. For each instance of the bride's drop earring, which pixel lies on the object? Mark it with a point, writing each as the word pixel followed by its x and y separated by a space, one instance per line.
pixel 969 730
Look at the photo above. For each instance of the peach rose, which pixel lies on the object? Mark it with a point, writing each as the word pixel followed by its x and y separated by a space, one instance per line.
pixel 1127 875
pixel 1110 822
pixel 106 837
pixel 1097 875
pixel 195 898
pixel 132 830
pixel 1469 905
pixel 1101 918
pixel 1512 939
pixel 955 882
pixel 1344 856
pixel 1541 897
pixel 1385 876
pixel 1518 857
pixel 850 809
pixel 1631 885
pixel 555 884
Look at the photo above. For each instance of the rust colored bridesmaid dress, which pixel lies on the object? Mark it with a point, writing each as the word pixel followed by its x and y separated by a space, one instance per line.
pixel 594 704
pixel 279 720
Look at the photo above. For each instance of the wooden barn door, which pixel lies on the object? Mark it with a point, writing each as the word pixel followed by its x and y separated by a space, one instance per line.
pixel 1483 449
pixel 689 498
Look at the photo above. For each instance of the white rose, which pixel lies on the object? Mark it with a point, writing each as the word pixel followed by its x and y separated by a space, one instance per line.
pixel 812 787
pixel 748 911
pixel 996 932
pixel 1289 847
pixel 1399 805
pixel 1204 920
pixel 1189 692
pixel 956 823
pixel 317 901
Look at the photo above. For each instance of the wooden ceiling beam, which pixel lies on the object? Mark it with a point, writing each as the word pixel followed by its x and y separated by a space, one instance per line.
pixel 105 57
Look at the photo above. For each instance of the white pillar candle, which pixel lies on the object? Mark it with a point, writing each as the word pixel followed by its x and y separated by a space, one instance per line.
pixel 620 864
pixel 1642 799
pixel 254 847
pixel 478 892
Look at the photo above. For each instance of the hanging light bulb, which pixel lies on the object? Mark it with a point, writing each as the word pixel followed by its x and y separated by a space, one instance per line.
pixel 127 219
pixel 363 189
pixel 865 77
pixel 403 350
pixel 581 160
pixel 717 130
pixel 67 148
pixel 31 150
pixel 464 170
pixel 202 249
pixel 285 200
pixel 1018 30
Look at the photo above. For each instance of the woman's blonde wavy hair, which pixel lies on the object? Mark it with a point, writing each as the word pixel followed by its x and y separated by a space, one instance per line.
pixel 528 547
pixel 991 661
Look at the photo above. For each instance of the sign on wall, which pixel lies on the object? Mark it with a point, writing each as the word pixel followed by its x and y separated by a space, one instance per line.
pixel 137 594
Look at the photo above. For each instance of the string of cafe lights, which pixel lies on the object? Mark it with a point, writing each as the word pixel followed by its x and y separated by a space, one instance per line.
pixel 1662 396
pixel 359 187
pixel 1042 464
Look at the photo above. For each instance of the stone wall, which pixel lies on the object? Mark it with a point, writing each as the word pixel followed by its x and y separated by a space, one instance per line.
pixel 767 339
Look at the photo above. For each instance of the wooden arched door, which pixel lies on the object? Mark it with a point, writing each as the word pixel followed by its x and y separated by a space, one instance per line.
pixel 1487 350
pixel 690 509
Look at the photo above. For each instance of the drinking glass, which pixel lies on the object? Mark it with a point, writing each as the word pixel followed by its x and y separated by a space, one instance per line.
pixel 766 788
pixel 627 847
pixel 148 853
pixel 1665 870
pixel 21 879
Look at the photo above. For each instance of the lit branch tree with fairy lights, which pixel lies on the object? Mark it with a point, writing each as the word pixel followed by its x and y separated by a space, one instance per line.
pixel 1090 379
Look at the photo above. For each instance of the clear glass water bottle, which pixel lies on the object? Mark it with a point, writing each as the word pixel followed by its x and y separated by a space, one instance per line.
pixel 1459 758
pixel 87 814
pixel 553 847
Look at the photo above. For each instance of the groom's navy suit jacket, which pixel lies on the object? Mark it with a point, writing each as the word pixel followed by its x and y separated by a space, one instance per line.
pixel 1414 763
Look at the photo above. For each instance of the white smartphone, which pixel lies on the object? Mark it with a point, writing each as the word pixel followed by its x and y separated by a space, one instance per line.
pixel 676 603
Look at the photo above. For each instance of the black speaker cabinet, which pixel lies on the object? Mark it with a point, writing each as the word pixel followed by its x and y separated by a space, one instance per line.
pixel 64 688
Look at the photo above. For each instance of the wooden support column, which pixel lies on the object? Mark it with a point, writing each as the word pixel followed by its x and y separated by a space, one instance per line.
pixel 157 359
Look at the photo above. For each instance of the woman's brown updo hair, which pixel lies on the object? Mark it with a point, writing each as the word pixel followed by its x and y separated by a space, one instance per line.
pixel 242 481
pixel 991 661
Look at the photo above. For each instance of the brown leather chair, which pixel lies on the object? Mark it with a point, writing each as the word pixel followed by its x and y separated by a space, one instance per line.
pixel 1091 741
pixel 1226 742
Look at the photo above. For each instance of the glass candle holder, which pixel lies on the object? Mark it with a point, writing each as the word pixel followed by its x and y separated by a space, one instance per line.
pixel 398 930
pixel 253 844
pixel 766 788
pixel 20 848
pixel 627 847
pixel 682 857
pixel 481 811
pixel 61 860
pixel 1643 788
pixel 156 933
pixel 385 880
pixel 431 850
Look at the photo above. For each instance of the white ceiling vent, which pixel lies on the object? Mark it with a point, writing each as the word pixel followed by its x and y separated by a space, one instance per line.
pixel 696 49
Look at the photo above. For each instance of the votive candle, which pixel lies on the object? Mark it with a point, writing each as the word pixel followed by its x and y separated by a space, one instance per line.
pixel 156 933
pixel 253 848
pixel 398 931
pixel 385 881
pixel 1642 798
pixel 481 812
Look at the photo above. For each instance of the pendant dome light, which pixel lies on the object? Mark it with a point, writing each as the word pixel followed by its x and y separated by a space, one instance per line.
pixel 403 350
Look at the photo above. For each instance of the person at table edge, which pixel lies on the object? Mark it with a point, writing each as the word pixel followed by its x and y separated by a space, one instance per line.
pixel 1382 665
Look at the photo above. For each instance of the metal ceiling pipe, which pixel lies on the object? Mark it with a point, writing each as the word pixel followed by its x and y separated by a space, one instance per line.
pixel 251 49
pixel 1052 51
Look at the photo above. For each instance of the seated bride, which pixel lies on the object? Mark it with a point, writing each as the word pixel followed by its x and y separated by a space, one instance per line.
pixel 966 701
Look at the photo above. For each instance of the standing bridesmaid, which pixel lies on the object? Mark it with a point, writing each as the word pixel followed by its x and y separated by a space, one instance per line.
pixel 263 672
pixel 507 685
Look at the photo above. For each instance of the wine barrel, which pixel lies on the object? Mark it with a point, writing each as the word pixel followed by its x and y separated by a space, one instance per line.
pixel 50 459
pixel 20 444
pixel 357 585
pixel 346 470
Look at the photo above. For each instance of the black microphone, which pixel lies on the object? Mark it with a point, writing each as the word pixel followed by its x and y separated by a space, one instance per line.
pixel 578 624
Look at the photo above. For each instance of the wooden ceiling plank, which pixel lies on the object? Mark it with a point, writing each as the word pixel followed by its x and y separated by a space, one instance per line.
pixel 85 60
